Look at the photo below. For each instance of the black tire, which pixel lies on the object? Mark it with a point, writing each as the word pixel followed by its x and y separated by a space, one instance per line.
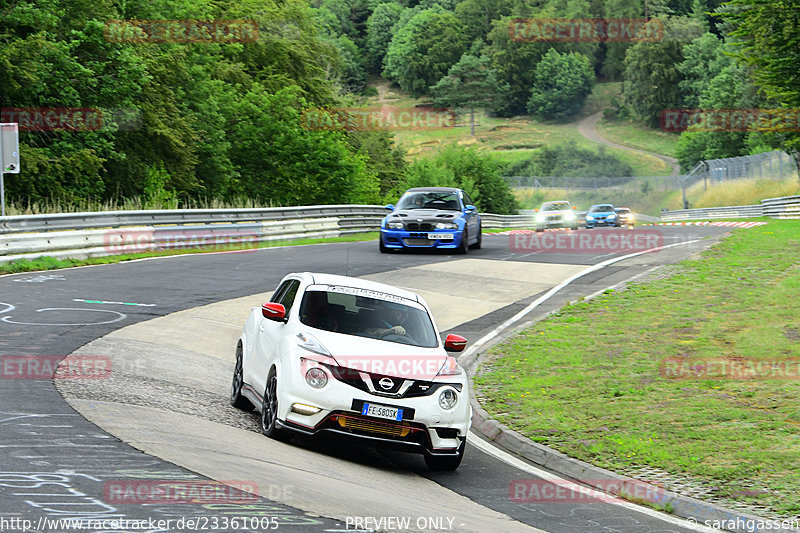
pixel 477 245
pixel 464 248
pixel 381 246
pixel 269 408
pixel 449 463
pixel 237 400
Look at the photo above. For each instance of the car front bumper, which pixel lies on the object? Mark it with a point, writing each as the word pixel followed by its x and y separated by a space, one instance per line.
pixel 424 428
pixel 399 239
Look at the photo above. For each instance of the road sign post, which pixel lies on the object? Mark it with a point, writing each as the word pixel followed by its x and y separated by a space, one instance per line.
pixel 9 158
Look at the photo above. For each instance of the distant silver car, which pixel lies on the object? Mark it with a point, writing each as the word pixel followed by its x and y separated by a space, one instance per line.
pixel 558 214
pixel 626 217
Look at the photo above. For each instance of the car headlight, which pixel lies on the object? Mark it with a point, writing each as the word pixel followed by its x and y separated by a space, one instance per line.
pixel 570 215
pixel 540 217
pixel 448 399
pixel 589 217
pixel 311 344
pixel 446 225
pixel 316 377
pixel 394 225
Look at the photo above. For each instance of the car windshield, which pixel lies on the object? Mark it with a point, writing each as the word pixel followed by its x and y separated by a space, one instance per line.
pixel 623 210
pixel 446 201
pixel 559 206
pixel 366 313
pixel 601 208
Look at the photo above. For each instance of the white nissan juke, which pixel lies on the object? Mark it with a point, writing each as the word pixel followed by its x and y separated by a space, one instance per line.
pixel 339 355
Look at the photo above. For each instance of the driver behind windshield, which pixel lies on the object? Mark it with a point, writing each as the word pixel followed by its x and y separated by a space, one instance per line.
pixel 391 320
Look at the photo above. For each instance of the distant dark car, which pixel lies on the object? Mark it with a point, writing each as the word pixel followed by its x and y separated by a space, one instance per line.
pixel 626 217
pixel 602 215
pixel 432 217
pixel 558 214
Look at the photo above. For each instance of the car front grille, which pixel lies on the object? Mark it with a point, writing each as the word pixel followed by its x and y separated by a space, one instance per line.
pixel 418 242
pixel 419 226
pixel 360 425
pixel 357 379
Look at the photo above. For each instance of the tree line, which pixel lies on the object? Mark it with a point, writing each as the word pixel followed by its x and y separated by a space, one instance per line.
pixel 223 120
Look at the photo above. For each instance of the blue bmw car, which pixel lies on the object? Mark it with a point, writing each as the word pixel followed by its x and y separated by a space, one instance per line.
pixel 432 217
pixel 602 215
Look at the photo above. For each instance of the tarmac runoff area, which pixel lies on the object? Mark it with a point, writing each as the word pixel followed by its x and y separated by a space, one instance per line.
pixel 172 376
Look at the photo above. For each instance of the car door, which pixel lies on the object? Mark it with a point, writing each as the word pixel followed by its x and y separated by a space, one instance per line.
pixel 270 333
pixel 472 217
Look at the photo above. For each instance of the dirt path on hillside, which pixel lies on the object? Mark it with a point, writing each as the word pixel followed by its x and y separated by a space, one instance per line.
pixel 588 128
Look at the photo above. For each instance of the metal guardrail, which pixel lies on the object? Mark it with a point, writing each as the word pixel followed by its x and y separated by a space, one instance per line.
pixel 741 211
pixel 783 207
pixel 81 235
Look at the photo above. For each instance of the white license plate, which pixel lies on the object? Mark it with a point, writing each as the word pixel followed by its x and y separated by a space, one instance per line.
pixel 441 236
pixel 382 411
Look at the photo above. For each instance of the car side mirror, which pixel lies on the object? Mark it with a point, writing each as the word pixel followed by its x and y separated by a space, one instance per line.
pixel 273 311
pixel 574 207
pixel 389 207
pixel 471 207
pixel 454 343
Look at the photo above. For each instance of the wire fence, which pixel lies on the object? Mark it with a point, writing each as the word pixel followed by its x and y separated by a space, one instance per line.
pixel 659 183
pixel 768 165
pixel 775 165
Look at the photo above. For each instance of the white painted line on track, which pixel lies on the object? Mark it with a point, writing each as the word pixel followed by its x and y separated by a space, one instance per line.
pixel 509 459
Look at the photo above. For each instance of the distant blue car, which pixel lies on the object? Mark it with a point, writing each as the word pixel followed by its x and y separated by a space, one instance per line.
pixel 602 215
pixel 432 217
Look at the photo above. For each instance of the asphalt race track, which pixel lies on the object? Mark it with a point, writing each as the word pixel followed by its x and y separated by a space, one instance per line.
pixel 167 395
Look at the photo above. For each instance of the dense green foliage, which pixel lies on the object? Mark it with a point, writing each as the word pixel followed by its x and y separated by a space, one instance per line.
pixel 220 121
pixel 480 176
pixel 562 83
pixel 570 161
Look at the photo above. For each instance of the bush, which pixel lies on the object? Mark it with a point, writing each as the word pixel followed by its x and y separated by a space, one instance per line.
pixel 571 161
pixel 478 174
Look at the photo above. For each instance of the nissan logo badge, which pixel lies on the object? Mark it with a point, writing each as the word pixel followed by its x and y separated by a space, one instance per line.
pixel 386 383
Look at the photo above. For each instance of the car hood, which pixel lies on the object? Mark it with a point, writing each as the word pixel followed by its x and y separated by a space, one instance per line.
pixel 426 215
pixel 559 212
pixel 382 357
pixel 602 213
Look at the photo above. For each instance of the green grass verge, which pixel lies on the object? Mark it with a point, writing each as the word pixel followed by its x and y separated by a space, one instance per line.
pixel 638 136
pixel 590 381
pixel 50 263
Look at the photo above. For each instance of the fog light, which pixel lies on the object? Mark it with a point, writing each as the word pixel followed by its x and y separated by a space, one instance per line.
pixel 316 377
pixel 304 409
pixel 448 399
